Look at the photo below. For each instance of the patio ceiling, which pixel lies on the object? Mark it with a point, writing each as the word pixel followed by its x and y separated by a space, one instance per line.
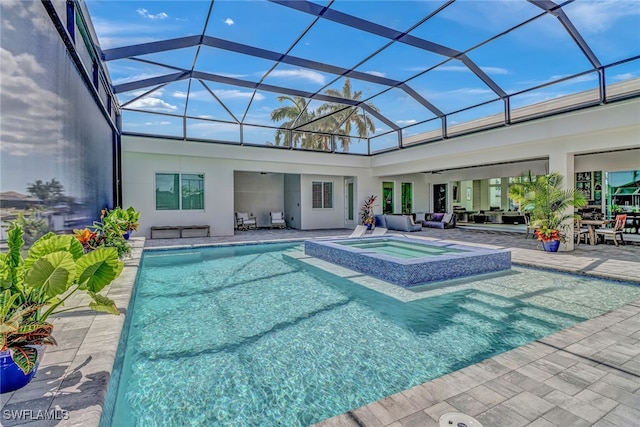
pixel 359 76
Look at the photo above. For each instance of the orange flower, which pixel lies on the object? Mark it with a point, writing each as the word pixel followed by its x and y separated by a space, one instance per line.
pixel 84 236
pixel 547 235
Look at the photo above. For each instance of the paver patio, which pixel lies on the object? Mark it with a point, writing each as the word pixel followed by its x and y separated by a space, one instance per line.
pixel 587 375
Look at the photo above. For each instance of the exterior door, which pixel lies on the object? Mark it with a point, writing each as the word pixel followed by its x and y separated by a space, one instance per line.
pixel 407 197
pixel 439 197
pixel 349 203
pixel 387 197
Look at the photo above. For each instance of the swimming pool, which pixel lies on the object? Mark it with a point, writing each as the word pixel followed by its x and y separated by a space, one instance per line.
pixel 409 262
pixel 244 336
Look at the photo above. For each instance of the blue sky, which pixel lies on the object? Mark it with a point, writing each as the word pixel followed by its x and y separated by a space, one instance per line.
pixel 537 53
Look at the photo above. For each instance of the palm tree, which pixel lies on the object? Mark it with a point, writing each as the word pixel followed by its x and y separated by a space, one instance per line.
pixel 345 117
pixel 548 203
pixel 296 112
pixel 329 118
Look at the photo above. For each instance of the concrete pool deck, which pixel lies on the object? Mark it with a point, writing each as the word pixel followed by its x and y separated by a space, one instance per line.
pixel 585 375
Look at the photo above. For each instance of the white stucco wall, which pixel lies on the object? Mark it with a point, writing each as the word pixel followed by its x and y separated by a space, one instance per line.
pixel 585 138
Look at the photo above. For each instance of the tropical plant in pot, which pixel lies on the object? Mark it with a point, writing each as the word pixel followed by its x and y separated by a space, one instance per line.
pixel 112 230
pixel 366 211
pixel 36 286
pixel 549 205
pixel 125 219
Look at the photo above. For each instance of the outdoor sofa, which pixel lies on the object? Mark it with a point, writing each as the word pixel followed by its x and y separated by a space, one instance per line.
pixel 438 220
pixel 396 222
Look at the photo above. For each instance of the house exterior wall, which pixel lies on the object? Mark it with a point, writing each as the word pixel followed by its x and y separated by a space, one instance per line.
pixel 583 138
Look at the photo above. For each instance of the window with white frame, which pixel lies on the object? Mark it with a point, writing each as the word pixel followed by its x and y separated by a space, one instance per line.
pixel 176 191
pixel 322 194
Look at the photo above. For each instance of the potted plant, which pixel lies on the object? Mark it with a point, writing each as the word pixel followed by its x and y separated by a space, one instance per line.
pixel 126 220
pixel 36 286
pixel 548 205
pixel 112 230
pixel 366 212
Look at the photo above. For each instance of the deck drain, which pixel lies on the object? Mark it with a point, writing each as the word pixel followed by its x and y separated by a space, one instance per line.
pixel 457 419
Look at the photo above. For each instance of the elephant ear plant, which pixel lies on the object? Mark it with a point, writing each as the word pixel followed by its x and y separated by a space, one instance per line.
pixel 35 287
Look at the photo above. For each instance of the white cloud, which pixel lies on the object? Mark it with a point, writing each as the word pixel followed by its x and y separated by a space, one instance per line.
pixel 471 91
pixel 599 16
pixel 299 74
pixel 6 25
pixel 24 102
pixel 27 11
pixel 623 76
pixel 194 94
pixel 202 95
pixel 152 104
pixel 494 70
pixel 229 21
pixel 145 14
pixel 453 68
pixel 135 77
pixel 376 73
pixel 161 123
pixel 237 94
pixel 114 33
pixel 406 122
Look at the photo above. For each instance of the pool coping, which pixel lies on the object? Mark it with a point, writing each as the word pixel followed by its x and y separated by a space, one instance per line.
pixel 71 383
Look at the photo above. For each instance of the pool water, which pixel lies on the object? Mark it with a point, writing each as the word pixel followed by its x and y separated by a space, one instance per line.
pixel 405 250
pixel 244 336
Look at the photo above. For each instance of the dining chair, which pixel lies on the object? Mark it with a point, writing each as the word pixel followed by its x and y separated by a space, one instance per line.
pixel 580 232
pixel 617 230
pixel 530 229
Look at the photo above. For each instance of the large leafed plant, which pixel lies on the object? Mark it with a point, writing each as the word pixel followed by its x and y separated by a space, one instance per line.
pixel 36 286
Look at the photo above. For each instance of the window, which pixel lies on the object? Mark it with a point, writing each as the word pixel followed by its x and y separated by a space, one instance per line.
pixel 179 191
pixel 495 193
pixel 192 191
pixel 322 195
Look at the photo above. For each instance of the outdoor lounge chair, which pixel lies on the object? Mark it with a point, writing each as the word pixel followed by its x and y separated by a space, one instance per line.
pixel 613 233
pixel 245 221
pixel 379 231
pixel 277 219
pixel 358 231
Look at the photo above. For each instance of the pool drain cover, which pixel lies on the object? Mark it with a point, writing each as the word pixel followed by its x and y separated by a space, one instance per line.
pixel 457 419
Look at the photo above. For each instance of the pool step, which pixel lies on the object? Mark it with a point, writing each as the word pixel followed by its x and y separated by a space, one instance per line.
pixel 525 318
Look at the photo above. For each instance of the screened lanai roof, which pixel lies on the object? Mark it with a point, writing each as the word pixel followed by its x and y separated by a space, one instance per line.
pixel 360 76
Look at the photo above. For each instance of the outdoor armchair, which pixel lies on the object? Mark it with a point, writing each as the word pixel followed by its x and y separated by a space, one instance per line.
pixel 277 219
pixel 245 221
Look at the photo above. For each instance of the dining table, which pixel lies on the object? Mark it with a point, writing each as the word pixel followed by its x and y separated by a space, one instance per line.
pixel 592 224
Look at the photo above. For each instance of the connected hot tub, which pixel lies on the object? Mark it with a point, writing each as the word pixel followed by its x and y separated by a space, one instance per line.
pixel 409 262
